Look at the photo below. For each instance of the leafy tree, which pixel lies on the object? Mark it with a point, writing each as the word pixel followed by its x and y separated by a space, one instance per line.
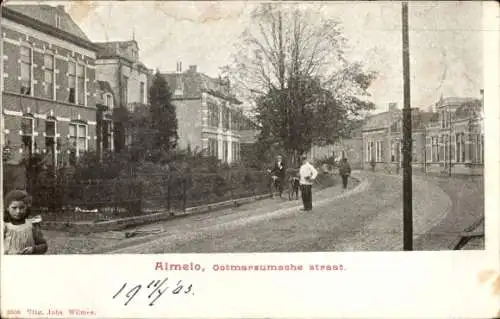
pixel 291 62
pixel 163 117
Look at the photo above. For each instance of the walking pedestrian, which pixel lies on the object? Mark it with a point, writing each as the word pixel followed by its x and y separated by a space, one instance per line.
pixel 307 174
pixel 344 172
pixel 279 171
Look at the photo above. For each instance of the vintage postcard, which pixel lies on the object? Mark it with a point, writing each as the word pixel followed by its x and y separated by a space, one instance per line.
pixel 169 159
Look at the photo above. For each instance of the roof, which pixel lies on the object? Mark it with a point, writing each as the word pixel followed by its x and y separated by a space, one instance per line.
pixel 419 119
pixel 47 15
pixel 194 83
pixel 377 121
pixel 115 48
pixel 454 101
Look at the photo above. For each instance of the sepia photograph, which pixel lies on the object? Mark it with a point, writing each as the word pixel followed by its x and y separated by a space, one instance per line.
pixel 242 127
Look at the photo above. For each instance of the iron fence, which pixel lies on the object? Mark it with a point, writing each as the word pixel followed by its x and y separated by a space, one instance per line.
pixel 60 200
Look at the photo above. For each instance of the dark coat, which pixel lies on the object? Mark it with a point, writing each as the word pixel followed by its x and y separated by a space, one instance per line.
pixel 344 168
pixel 279 171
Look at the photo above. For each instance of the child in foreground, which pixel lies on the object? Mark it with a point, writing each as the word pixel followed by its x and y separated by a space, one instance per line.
pixel 22 236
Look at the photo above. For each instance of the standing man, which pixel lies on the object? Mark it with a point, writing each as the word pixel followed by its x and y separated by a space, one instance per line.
pixel 280 172
pixel 307 174
pixel 344 171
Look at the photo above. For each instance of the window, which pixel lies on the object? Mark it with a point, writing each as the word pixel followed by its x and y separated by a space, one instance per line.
pixel 395 126
pixel 109 101
pixel 379 152
pixel 141 89
pixel 446 149
pixel 395 151
pixel 481 149
pixel 225 118
pixel 225 151
pixel 78 138
pixel 213 115
pixel 460 148
pixel 48 62
pixel 72 82
pixel 27 130
pixel 213 147
pixel 50 140
pixel 235 152
pixel 125 90
pixel 80 76
pixel 26 70
pixel 372 150
pixel 435 149
pixel 445 119
pixel 368 151
pixel 107 135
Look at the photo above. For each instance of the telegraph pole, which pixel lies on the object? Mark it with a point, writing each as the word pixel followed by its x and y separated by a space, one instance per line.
pixel 407 138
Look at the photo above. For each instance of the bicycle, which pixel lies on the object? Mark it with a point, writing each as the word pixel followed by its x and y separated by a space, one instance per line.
pixel 294 188
pixel 275 185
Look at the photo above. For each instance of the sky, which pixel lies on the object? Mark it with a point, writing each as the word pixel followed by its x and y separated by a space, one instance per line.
pixel 446 48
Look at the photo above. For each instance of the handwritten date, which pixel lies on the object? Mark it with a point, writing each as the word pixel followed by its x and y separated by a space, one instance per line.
pixel 155 289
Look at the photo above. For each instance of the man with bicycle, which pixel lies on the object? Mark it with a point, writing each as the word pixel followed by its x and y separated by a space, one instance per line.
pixel 279 171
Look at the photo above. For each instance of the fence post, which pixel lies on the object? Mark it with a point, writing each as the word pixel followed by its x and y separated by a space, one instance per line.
pixel 184 193
pixel 231 184
pixel 169 195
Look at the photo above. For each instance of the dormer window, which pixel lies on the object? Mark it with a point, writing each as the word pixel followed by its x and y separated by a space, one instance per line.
pixel 58 21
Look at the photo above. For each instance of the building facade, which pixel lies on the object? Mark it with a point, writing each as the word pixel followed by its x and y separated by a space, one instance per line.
pixel 118 64
pixel 448 140
pixel 455 143
pixel 209 117
pixel 48 84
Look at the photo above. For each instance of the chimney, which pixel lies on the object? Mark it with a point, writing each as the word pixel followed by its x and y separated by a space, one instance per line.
pixel 179 67
pixel 61 7
pixel 192 68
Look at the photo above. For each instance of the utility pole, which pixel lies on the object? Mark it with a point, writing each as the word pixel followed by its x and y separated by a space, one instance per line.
pixel 407 138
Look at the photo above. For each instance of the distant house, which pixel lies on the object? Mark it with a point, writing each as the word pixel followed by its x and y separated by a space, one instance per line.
pixel 455 140
pixel 119 65
pixel 449 139
pixel 350 147
pixel 49 85
pixel 208 115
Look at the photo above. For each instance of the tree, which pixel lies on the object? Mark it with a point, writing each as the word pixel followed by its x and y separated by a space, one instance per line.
pixel 163 116
pixel 291 62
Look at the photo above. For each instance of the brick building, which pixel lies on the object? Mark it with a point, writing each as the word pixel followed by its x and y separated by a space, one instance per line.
pixel 448 140
pixel 208 115
pixel 119 65
pixel 48 85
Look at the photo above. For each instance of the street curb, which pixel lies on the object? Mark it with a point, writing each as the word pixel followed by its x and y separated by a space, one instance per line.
pixel 123 223
pixel 147 238
pixel 468 233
